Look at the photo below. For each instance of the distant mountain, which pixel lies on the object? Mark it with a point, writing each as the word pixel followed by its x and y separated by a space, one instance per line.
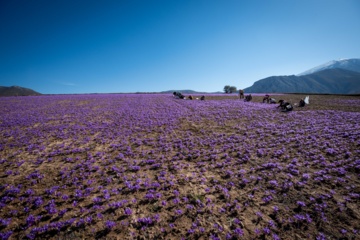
pixel 352 64
pixel 330 81
pixel 17 91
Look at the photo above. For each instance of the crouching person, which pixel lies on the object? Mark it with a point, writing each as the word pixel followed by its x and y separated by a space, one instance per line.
pixel 272 101
pixel 302 103
pixel 285 106
pixel 266 98
pixel 248 98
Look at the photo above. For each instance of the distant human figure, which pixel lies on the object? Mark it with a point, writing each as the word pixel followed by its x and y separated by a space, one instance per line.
pixel 281 103
pixel 202 97
pixel 190 97
pixel 178 95
pixel 248 98
pixel 272 101
pixel 285 106
pixel 241 93
pixel 302 103
pixel 266 98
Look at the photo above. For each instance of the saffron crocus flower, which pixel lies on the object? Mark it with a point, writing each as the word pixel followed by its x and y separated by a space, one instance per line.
pixel 110 224
pixel 266 230
pixel 128 211
pixel 6 235
pixel 5 222
pixel 178 212
pixel 97 200
pixel 301 204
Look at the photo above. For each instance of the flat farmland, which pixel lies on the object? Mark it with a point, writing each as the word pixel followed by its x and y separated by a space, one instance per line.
pixel 149 166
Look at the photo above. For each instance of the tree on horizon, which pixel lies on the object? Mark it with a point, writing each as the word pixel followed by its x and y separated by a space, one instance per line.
pixel 229 89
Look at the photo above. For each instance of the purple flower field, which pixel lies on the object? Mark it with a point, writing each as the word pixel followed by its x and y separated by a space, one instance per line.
pixel 149 166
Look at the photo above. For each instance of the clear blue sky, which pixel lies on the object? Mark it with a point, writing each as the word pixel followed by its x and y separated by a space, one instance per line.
pixel 69 46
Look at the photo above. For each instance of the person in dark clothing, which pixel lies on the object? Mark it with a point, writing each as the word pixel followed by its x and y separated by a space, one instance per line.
pixel 266 98
pixel 272 101
pixel 248 98
pixel 302 103
pixel 241 93
pixel 191 97
pixel 202 97
pixel 178 95
pixel 285 106
pixel 280 103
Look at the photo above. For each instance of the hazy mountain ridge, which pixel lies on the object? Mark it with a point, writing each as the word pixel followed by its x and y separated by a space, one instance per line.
pixel 330 81
pixel 17 91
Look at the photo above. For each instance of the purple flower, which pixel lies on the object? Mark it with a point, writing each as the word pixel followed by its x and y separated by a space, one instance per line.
pixel 96 200
pixel 300 204
pixel 222 210
pixel 178 212
pixel 176 193
pixel 62 212
pixel 135 168
pixel 5 222
pixel 65 197
pixel 128 211
pixel 145 221
pixel 149 196
pixel 5 235
pixel 50 208
pixel 88 220
pixel 110 224
pixel 276 209
pixel 190 206
pixel 275 237
pixel 266 230
pixel 236 221
pixel 29 192
pixel 38 202
pixel 238 232
pixel 321 236
pixel 331 151
pixel 228 236
pixel 156 217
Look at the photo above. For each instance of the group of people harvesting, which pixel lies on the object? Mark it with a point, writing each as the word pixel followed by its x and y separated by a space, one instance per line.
pixel 283 105
pixel 246 98
pixel 181 96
